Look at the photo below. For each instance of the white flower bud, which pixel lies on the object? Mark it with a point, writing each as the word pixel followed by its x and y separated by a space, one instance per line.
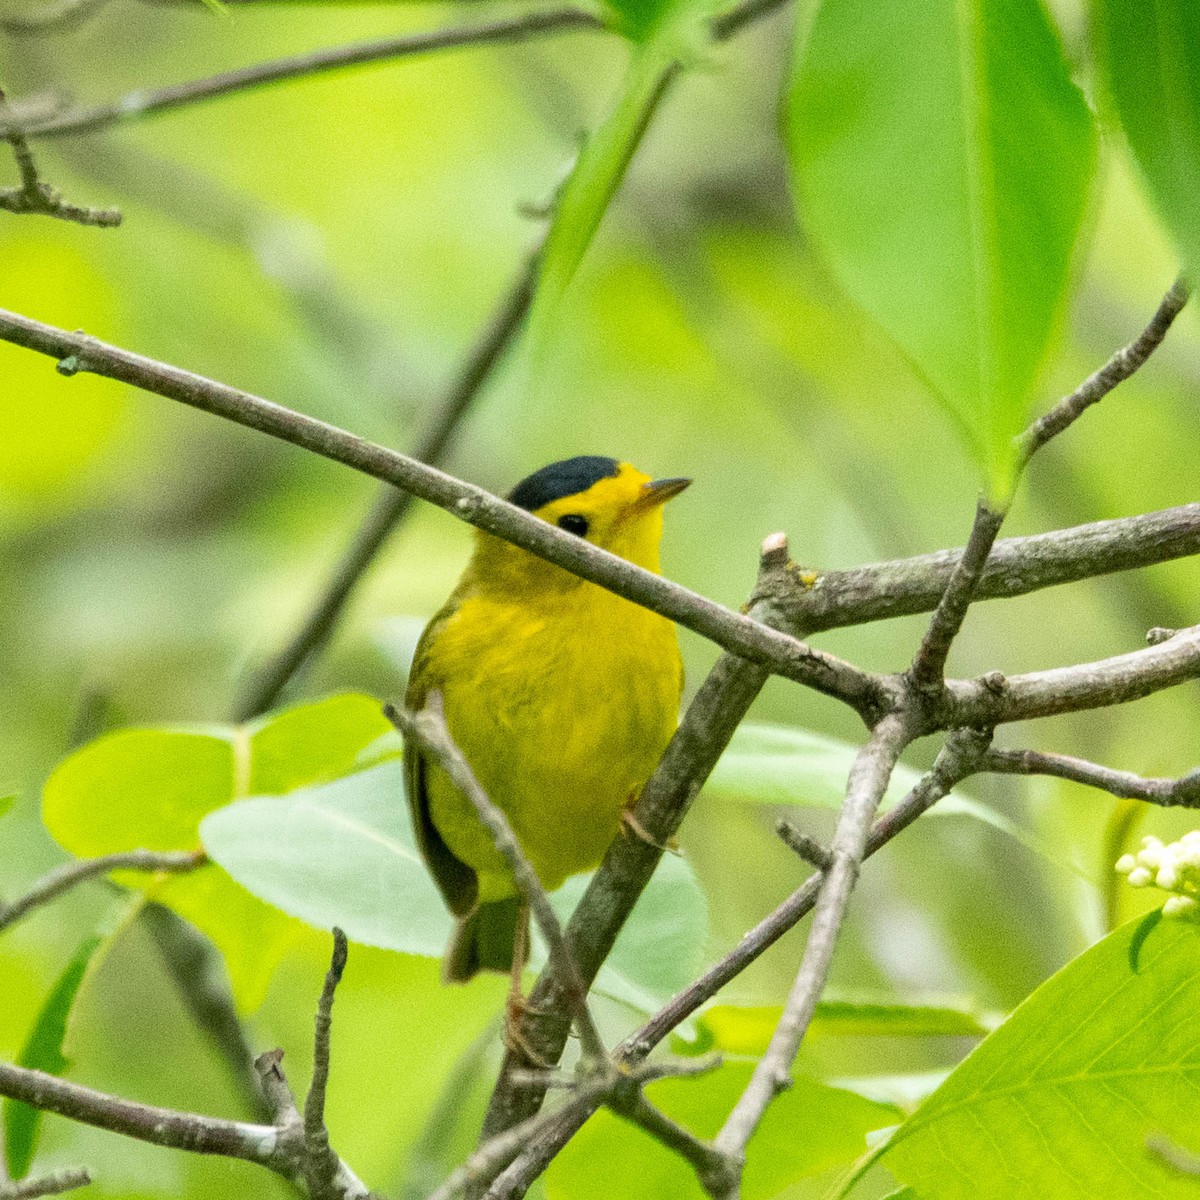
pixel 1140 877
pixel 1180 906
pixel 1167 877
pixel 1125 864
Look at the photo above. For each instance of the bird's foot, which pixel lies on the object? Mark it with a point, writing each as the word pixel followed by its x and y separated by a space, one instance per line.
pixel 632 827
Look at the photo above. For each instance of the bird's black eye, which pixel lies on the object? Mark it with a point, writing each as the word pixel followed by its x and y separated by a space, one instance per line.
pixel 574 523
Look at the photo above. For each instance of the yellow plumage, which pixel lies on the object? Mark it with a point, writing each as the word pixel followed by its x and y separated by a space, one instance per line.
pixel 561 695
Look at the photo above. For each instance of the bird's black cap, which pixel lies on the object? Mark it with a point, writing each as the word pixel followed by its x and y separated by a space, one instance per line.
pixel 566 478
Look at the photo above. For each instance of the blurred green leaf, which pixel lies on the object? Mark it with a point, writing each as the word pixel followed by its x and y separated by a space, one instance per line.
pixel 672 911
pixel 151 787
pixel 1150 56
pixel 1066 1091
pixel 7 800
pixel 46 1047
pixel 593 181
pixel 941 158
pixel 746 1030
pixel 55 429
pixel 343 854
pixel 810 1128
pixel 775 764
pixel 451 1131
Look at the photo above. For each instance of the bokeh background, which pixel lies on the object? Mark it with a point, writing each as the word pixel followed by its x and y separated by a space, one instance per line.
pixel 336 244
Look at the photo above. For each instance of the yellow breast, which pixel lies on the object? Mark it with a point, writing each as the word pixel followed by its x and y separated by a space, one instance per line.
pixel 563 708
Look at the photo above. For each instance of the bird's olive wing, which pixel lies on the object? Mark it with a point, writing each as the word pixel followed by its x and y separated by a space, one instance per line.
pixel 457 882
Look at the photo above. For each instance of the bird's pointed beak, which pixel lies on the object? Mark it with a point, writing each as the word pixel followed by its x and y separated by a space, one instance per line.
pixel 659 491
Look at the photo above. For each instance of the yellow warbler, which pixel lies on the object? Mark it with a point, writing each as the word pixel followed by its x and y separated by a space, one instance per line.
pixel 561 695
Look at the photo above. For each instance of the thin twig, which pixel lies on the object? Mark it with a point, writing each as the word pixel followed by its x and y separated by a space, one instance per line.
pixel 1119 367
pixel 997 699
pixel 320 1162
pixel 867 783
pixel 391 505
pixel 929 664
pixel 1167 793
pixel 66 1180
pixel 144 1122
pixel 803 844
pixel 36 196
pixel 149 101
pixel 713 1169
pixel 428 730
pixel 808 602
pixel 69 875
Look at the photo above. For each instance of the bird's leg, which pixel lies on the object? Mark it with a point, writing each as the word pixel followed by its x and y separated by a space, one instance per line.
pixel 516 1005
pixel 631 826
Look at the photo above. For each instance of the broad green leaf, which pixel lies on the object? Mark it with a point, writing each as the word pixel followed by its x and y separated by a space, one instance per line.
pixel 809 1129
pixel 343 854
pixel 1149 51
pixel 1061 1098
pixel 45 1048
pixel 746 1030
pixel 941 158
pixel 313 743
pixel 150 788
pixel 774 764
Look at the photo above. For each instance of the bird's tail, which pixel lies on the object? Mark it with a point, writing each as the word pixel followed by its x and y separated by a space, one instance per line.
pixel 483 940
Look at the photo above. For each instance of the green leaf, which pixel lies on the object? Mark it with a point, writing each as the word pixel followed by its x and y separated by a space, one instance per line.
pixel 151 787
pixel 774 764
pixel 1149 51
pixel 593 182
pixel 746 1030
pixel 1066 1091
pixel 45 1049
pixel 941 158
pixel 7 800
pixel 343 854
pixel 809 1129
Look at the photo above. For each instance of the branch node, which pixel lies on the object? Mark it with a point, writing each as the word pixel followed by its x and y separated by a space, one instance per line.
pixel 808 848
pixel 1158 635
pixel 71 365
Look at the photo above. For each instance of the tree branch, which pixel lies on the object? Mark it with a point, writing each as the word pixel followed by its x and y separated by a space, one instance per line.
pixel 69 875
pixel 733 631
pixel 320 1162
pixel 808 602
pixel 150 101
pixel 1123 363
pixel 35 196
pixel 1167 793
pixel 66 1180
pixel 929 664
pixel 868 781
pixel 161 1126
pixel 392 506
pixel 997 699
